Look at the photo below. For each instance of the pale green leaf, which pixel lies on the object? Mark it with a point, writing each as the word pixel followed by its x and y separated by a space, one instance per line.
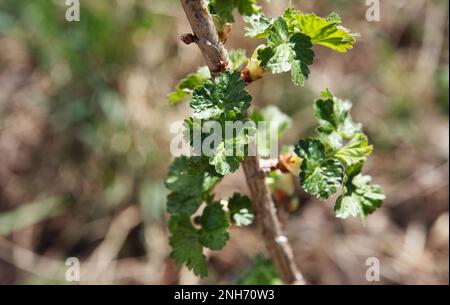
pixel 324 31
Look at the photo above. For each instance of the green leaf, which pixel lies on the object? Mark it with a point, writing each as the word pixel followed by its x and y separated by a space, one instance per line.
pixel 237 59
pixel 335 122
pixel 278 56
pixel 187 186
pixel 178 179
pixel 223 160
pixel 187 85
pixel 359 197
pixel 278 32
pixel 319 176
pixel 223 9
pixel 224 98
pixel 210 182
pixel 287 53
pixel 229 150
pixel 186 195
pixel 186 245
pixel 190 186
pixel 264 54
pixel 310 149
pixel 258 26
pixel 247 7
pixel 278 59
pixel 232 151
pixel 337 157
pixel 214 233
pixel 356 151
pixel 241 211
pixel 183 203
pixel 334 17
pixel 331 115
pixel 324 31
pixel 304 57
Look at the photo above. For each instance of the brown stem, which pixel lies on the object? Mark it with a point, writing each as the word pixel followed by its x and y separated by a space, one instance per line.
pixel 276 243
pixel 216 57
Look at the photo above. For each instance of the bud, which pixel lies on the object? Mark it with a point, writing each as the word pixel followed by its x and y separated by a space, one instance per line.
pixel 225 32
pixel 290 162
pixel 254 71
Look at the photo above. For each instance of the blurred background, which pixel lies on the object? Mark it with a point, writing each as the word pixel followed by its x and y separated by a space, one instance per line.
pixel 84 144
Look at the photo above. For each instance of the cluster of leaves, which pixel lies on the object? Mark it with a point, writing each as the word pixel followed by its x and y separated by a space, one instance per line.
pixel 335 159
pixel 290 39
pixel 330 162
pixel 223 100
pixel 190 187
pixel 186 86
pixel 192 180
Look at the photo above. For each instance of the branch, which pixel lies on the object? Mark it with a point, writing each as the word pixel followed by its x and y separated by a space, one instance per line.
pixel 276 243
pixel 216 57
pixel 205 34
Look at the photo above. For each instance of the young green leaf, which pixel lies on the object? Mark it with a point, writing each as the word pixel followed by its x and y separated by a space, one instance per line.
pixel 228 149
pixel 278 59
pixel 187 187
pixel 186 245
pixel 332 115
pixel 241 211
pixel 224 98
pixel 214 233
pixel 187 85
pixel 359 197
pixel 258 26
pixel 232 151
pixel 224 161
pixel 356 151
pixel 287 53
pixel 335 122
pixel 223 9
pixel 338 156
pixel 324 31
pixel 278 32
pixel 338 131
pixel 320 176
pixel 186 195
pixel 185 203
pixel 304 58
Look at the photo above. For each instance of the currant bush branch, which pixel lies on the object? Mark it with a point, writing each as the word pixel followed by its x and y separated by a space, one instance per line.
pixel 328 163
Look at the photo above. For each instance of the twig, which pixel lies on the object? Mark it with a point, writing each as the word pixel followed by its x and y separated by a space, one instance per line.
pixel 217 60
pixel 204 29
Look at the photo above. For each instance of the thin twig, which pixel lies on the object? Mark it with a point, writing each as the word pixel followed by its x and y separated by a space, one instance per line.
pixel 277 244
